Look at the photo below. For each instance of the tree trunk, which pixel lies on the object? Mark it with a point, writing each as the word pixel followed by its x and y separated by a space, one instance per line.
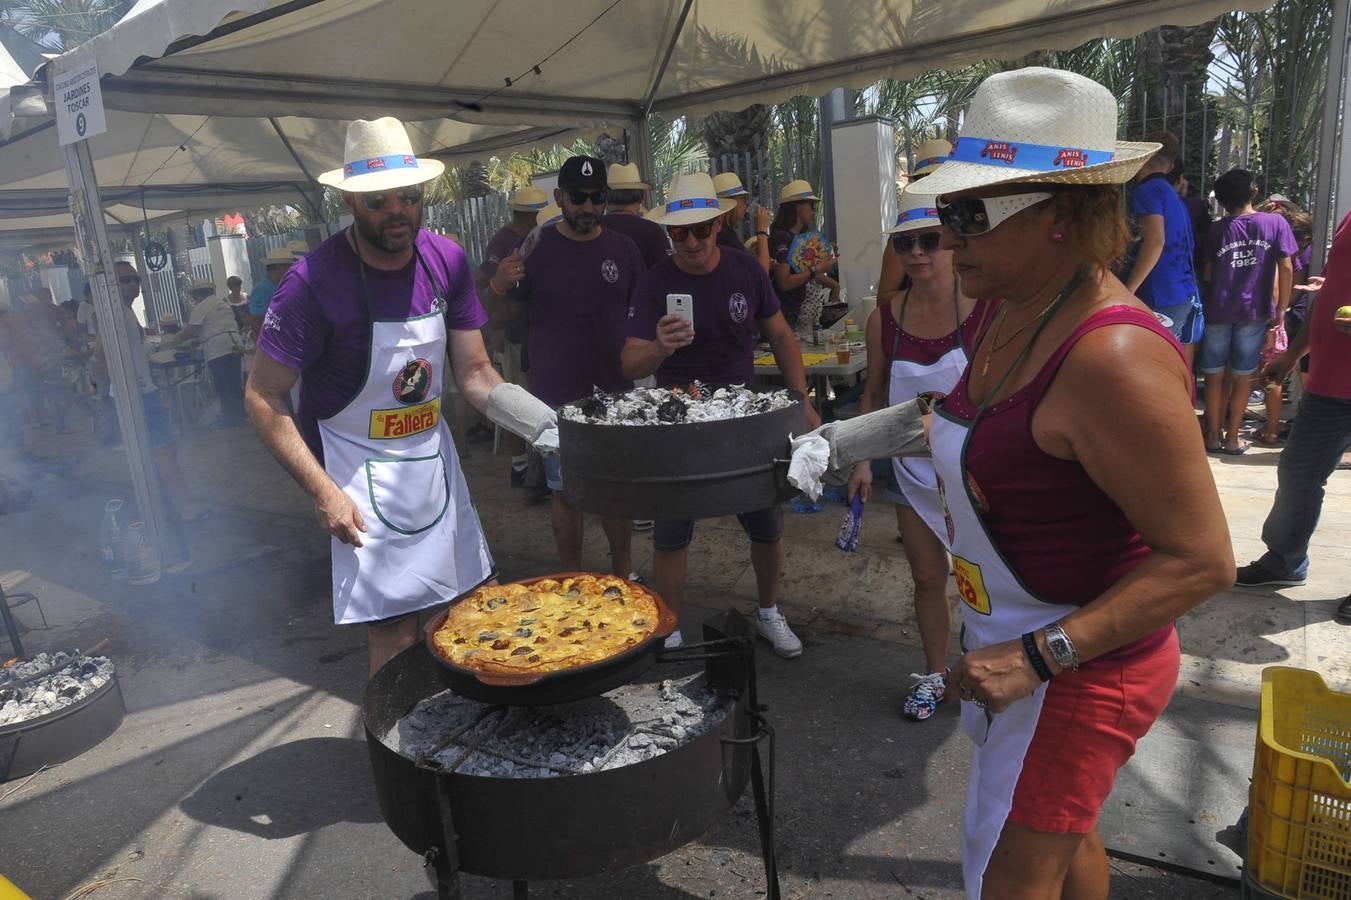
pixel 732 138
pixel 1172 66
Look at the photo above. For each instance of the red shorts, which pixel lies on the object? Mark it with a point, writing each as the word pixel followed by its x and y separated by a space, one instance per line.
pixel 1087 729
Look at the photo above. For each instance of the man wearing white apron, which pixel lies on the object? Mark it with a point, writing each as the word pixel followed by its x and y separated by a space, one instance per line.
pixel 371 318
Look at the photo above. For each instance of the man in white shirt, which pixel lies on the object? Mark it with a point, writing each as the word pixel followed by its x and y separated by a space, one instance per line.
pixel 212 324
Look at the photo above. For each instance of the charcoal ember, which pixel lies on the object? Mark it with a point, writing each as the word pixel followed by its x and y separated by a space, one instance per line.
pixel 671 410
pixel 595 406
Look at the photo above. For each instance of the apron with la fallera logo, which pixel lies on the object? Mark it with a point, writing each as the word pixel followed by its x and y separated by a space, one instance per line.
pixel 392 455
pixel 996 607
pixel 909 379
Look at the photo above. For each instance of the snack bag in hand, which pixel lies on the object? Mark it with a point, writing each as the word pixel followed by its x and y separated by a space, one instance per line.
pixel 847 540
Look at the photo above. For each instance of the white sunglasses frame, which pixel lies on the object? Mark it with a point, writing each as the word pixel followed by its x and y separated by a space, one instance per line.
pixel 999 210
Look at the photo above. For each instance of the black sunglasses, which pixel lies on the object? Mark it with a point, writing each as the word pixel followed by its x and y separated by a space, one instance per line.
pixel 904 243
pixel 678 233
pixel 596 197
pixel 376 200
pixel 128 279
pixel 970 216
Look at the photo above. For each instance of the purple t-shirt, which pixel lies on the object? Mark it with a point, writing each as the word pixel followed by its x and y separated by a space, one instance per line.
pixel 651 238
pixel 1243 252
pixel 576 297
pixel 317 322
pixel 729 303
pixel 499 248
pixel 780 242
pixel 727 239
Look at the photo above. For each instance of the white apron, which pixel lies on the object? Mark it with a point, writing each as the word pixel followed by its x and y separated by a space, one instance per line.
pixel 392 455
pixel 909 379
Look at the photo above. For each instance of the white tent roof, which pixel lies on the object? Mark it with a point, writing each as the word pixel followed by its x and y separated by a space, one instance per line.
pixel 599 60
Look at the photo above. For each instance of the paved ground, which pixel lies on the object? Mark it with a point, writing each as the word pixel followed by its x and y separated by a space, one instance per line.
pixel 241 771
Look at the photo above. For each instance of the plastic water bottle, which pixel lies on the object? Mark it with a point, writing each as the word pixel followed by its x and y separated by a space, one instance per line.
pixel 142 558
pixel 112 540
pixel 804 504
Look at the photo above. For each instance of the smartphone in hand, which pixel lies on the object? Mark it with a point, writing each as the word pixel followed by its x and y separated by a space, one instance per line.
pixel 681 305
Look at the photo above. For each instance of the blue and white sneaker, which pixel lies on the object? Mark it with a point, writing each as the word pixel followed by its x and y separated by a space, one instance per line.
pixel 925 695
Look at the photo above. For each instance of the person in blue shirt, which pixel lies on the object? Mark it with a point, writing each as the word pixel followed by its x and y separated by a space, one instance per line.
pixel 276 264
pixel 1163 274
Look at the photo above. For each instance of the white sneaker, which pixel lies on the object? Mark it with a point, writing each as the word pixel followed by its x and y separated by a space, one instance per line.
pixel 774 628
pixel 674 639
pixel 643 524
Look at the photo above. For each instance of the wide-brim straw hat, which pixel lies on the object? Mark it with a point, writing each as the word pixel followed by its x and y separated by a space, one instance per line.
pixel 1039 125
pixel 378 156
pixel 916 211
pixel 795 191
pixel 202 284
pixel 529 199
pixel 729 186
pixel 625 177
pixel 548 215
pixel 692 199
pixel 929 156
pixel 279 256
pixel 298 248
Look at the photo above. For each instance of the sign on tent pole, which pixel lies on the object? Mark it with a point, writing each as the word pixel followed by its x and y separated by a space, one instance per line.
pixel 78 100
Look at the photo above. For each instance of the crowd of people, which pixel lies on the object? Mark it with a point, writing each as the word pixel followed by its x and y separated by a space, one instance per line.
pixel 1028 407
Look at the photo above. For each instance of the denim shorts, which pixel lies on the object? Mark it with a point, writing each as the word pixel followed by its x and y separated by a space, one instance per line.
pixel 1188 322
pixel 764 526
pixel 1235 346
pixel 553 471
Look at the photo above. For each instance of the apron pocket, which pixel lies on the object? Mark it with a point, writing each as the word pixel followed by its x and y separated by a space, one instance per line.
pixel 408 495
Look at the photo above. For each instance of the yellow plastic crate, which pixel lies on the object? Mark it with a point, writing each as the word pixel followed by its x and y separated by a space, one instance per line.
pixel 1299 820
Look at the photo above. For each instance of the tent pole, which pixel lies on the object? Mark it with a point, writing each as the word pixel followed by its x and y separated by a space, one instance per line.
pixel 1335 95
pixel 665 60
pixel 640 152
pixel 92 238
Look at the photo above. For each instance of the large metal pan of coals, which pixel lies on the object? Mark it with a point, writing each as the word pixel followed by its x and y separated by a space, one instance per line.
pixel 563 685
pixel 683 469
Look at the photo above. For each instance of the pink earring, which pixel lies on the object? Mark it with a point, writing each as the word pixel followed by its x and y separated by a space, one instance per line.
pixel 1058 236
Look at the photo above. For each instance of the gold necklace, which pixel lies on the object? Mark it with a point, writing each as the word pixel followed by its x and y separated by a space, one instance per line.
pixel 994 336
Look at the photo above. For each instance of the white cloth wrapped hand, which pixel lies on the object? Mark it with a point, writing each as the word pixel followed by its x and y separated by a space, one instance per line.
pixel 522 413
pixel 829 452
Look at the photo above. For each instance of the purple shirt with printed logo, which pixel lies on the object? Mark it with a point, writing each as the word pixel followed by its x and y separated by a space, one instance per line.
pixel 652 240
pixel 575 295
pixel 316 321
pixel 729 304
pixel 1243 252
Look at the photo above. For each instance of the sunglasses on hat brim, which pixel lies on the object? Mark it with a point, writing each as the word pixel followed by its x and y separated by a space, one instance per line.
pixel 408 196
pixel 904 242
pixel 971 216
pixel 701 231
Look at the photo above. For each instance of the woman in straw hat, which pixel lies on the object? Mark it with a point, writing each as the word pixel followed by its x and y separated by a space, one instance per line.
pixel 729 187
pixel 1081 514
pixel 917 343
pixel 797 213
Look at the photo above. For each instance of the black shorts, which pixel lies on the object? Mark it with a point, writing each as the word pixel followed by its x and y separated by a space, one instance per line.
pixel 764 526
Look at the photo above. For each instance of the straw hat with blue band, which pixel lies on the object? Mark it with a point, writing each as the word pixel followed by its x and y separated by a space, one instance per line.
pixel 1039 125
pixel 625 177
pixel 929 156
pixel 692 199
pixel 529 199
pixel 728 185
pixel 916 211
pixel 550 214
pixel 796 191
pixel 378 156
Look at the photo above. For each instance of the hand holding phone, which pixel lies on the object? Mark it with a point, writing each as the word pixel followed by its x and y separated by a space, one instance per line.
pixel 676 329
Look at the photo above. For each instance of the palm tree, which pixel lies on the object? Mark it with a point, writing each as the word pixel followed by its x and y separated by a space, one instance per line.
pixel 59 25
pixel 738 141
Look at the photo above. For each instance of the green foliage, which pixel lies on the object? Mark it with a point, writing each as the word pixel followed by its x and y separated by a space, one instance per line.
pixel 59 25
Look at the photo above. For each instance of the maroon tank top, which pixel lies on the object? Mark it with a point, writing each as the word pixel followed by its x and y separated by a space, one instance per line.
pixel 927 351
pixel 1065 538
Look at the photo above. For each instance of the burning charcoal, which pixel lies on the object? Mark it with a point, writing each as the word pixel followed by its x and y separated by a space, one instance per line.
pixel 672 410
pixel 594 407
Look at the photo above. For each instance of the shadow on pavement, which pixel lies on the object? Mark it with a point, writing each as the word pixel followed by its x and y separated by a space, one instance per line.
pixel 287 790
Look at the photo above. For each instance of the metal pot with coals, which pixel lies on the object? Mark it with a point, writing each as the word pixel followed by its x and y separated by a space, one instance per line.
pixel 680 470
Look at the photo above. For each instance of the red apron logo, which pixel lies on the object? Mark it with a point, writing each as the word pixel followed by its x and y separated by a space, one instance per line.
pixel 413 382
pixel 1071 158
pixel 1000 150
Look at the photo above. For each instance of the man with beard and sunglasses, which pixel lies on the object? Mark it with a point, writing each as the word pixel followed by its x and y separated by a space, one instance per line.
pixel 371 318
pixel 574 297
pixel 732 301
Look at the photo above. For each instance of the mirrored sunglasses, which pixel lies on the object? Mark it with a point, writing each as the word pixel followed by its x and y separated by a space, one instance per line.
pixel 408 196
pixel 596 197
pixel 701 231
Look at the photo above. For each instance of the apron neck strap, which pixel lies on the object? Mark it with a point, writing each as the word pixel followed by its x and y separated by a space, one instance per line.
pixel 956 317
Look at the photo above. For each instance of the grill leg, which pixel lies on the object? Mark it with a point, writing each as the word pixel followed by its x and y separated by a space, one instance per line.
pixel 447 863
pixel 520 890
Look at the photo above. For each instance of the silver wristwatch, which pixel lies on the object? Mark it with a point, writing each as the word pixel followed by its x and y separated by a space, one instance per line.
pixel 1061 647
